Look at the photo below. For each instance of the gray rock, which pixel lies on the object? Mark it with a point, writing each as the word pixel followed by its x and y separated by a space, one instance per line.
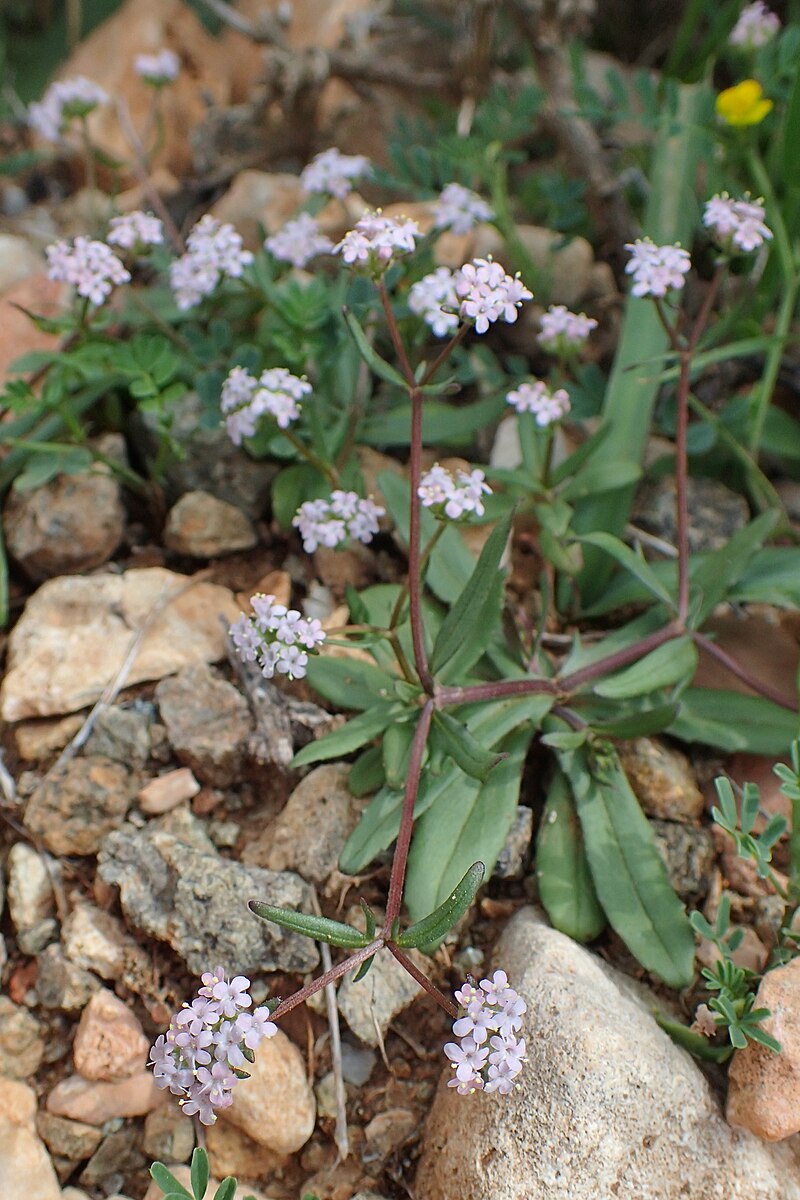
pixel 30 890
pixel 511 860
pixel 97 941
pixel 34 941
pixel 606 1106
pixel 203 526
pixel 117 1153
pixel 373 1003
pixel 208 722
pixel 715 512
pixel 197 901
pixel 123 733
pixel 688 855
pixel 168 1134
pixel 61 983
pixel 21 1043
pixel 69 1139
pixel 77 806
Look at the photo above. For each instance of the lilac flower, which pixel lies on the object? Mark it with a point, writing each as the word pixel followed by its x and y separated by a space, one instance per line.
pixel 756 26
pixel 334 172
pixel 488 294
pixel 564 332
pixel 453 497
pixel 208 1042
pixel 429 294
pixel 656 269
pixel 460 209
pixel 737 225
pixel 298 241
pixel 91 267
pixel 345 517
pixel 157 69
pixel 489 1055
pixel 64 102
pixel 135 230
pixel 245 400
pixel 279 640
pixel 546 406
pixel 376 240
pixel 213 252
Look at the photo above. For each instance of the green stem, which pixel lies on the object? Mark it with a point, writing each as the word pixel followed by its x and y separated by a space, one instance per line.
pixel 91 172
pixel 330 473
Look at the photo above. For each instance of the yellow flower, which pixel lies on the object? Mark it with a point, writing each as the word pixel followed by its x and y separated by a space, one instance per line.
pixel 743 104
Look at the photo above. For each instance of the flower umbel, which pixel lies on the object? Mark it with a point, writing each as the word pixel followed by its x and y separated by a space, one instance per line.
pixel 375 240
pixel 564 332
pixel 426 297
pixel 756 26
pixel 743 104
pixel 546 406
pixel 278 638
pixel 656 269
pixel 488 1055
pixel 136 230
pixel 63 102
pixel 737 225
pixel 334 172
pixel 488 294
pixel 453 498
pixel 244 399
pixel 345 517
pixel 157 69
pixel 460 209
pixel 213 251
pixel 298 241
pixel 202 1055
pixel 91 267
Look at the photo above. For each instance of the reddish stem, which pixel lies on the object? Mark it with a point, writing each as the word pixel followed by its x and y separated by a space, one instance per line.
pixel 400 858
pixel 445 353
pixel 331 976
pixel 449 1007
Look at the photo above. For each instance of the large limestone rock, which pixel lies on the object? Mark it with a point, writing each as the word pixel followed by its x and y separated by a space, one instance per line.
pixel 75 633
pixel 25 1167
pixel 607 1105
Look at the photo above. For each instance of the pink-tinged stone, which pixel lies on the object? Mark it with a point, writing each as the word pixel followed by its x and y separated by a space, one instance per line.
pixel 110 1043
pixel 275 1106
pixel 98 1102
pixel 764 1087
pixel 168 791
pixel 26 1172
pixel 18 334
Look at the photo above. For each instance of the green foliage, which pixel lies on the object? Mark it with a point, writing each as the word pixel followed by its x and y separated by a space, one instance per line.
pixel 562 870
pixel 199 1174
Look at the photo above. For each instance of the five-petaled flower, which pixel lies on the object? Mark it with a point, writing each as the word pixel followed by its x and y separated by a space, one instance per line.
pixel 743 104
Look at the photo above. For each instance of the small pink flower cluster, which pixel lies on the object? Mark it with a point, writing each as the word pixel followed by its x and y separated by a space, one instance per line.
pixel 298 241
pixel 427 295
pixel 460 209
pixel 756 26
pixel 564 332
pixel 345 517
pixel 656 269
pixel 62 103
pixel 91 267
pixel 157 69
pixel 736 224
pixel 488 1055
pixel 375 240
pixel 454 498
pixel 202 1055
pixel 136 229
pixel 213 251
pixel 334 173
pixel 487 293
pixel 244 399
pixel 278 638
pixel 546 406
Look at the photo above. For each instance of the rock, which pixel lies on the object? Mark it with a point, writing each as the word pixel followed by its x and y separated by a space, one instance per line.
pixel 378 998
pixel 197 901
pixel 75 634
pixel 116 1153
pixel 511 860
pixel 98 1102
pixel 167 791
pixel 275 1106
pixel 109 1043
pixel 62 984
pixel 30 889
pixel 18 260
pixel 202 526
pixel 25 1167
pixel 751 953
pixel 77 806
pixel 21 1044
pixel 688 855
pixel 386 1132
pixel 256 199
pixel 310 833
pixel 211 463
pixel 123 733
pixel 168 1134
pixel 564 266
pixel 18 334
pixel 607 1104
pixel 69 1139
pixel 208 722
pixel 40 739
pixel 97 941
pixel 232 1152
pixel 662 779
pixel 764 1087
pixel 715 512
pixel 73 523
pixel 357 1063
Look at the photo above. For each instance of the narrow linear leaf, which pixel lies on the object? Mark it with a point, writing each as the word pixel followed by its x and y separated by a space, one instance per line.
pixel 733 721
pixel 598 477
pixel 663 667
pixel 721 569
pixel 473 758
pixel 227 1189
pixel 199 1172
pixel 431 929
pixel 167 1181
pixel 322 929
pixel 694 1042
pixel 363 969
pixel 632 562
pixel 349 682
pixel 642 723
pixel 371 357
pixel 562 872
pixel 352 736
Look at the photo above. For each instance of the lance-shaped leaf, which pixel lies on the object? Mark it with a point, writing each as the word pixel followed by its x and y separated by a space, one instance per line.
pixel 662 667
pixel 642 723
pixel 632 562
pixel 363 969
pixel 370 356
pixel 719 571
pixel 227 1190
pixel 167 1181
pixel 352 736
pixel 457 741
pixel 321 929
pixel 431 929
pixel 733 721
pixel 199 1172
pixel 562 872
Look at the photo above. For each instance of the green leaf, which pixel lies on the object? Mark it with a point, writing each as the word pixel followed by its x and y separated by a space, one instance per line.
pixel 367 773
pixel 694 1042
pixel 473 758
pixel 667 665
pixel 291 487
pixel 733 721
pixel 322 929
pixel 376 364
pixel 562 871
pixel 396 748
pixel 642 723
pixel 442 424
pixel 227 1189
pixel 720 570
pixel 567 739
pixel 463 623
pixel 349 682
pixel 634 563
pixel 199 1172
pixel 352 736
pixel 575 461
pixel 597 477
pixel 168 1183
pixel 363 969
pixel 431 929
pixel 628 873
